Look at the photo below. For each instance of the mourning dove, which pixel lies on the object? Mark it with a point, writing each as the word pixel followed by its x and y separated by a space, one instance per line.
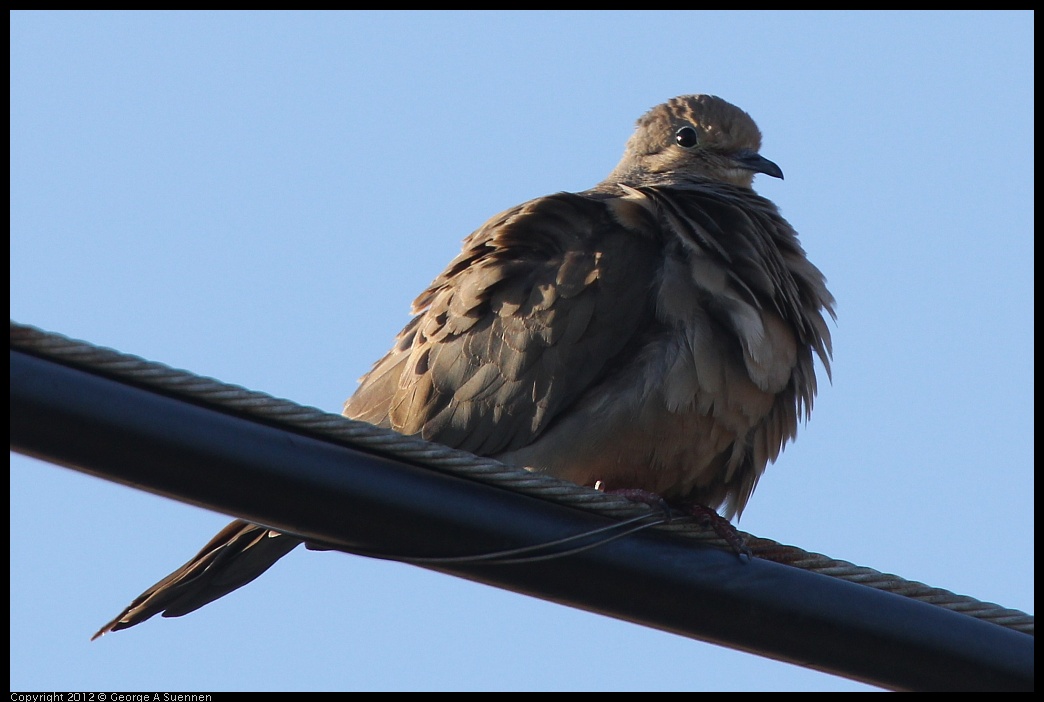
pixel 656 332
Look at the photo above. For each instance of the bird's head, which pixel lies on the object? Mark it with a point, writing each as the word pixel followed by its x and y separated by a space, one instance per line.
pixel 693 137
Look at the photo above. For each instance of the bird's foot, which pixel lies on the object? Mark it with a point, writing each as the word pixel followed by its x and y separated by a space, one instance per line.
pixel 645 497
pixel 706 517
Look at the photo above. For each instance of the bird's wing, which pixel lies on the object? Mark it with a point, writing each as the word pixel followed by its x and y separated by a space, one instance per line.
pixel 542 302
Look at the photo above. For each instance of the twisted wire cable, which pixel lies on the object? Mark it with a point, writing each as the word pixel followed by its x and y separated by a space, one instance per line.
pixel 362 436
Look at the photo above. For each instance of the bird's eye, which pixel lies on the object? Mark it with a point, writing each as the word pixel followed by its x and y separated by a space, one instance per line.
pixel 686 137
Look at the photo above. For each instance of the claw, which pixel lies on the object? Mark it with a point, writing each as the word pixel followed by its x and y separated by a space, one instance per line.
pixel 643 496
pixel 706 517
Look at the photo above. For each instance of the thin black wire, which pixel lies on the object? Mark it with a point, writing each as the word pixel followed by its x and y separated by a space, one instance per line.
pixel 503 557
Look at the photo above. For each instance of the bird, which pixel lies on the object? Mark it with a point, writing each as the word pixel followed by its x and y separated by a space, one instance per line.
pixel 654 333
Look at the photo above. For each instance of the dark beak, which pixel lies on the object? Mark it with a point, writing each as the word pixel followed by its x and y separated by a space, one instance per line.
pixel 753 161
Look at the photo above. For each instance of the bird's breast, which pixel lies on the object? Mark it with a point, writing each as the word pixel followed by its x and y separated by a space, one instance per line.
pixel 677 415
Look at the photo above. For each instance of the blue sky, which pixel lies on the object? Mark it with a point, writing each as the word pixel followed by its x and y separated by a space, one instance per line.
pixel 258 197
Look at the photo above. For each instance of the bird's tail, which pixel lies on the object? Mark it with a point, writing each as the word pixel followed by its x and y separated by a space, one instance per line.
pixel 239 553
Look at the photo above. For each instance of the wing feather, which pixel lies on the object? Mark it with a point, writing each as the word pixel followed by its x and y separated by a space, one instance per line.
pixel 538 306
